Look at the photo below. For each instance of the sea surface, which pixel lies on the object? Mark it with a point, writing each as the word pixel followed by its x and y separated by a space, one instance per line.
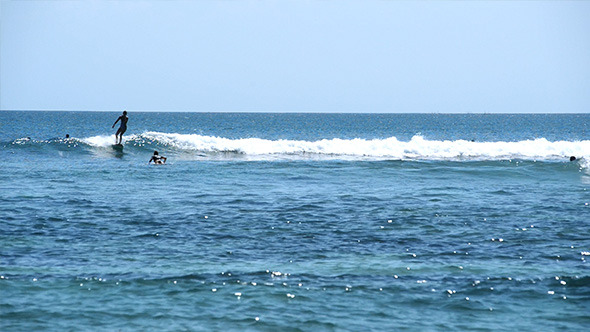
pixel 295 222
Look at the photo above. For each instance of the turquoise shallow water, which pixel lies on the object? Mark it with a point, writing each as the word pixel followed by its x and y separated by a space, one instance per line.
pixel 295 222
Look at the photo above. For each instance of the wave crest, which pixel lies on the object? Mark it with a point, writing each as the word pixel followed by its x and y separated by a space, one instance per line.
pixel 417 148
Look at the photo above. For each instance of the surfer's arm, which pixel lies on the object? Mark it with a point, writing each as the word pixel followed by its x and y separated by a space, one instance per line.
pixel 119 118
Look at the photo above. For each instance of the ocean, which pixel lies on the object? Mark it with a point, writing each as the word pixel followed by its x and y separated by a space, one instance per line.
pixel 295 222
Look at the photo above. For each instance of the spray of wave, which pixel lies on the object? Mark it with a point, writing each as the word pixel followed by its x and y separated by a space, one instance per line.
pixel 416 148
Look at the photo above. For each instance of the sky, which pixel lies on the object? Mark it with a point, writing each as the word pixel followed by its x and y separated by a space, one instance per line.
pixel 296 56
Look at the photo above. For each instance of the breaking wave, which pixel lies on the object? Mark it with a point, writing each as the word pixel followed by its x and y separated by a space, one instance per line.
pixel 418 148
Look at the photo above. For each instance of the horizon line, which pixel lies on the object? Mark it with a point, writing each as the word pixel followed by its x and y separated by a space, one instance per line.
pixel 273 112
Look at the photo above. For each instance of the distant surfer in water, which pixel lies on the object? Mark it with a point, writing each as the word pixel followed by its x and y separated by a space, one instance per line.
pixel 157 159
pixel 122 128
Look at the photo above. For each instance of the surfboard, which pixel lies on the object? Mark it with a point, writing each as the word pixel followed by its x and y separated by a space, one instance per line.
pixel 117 147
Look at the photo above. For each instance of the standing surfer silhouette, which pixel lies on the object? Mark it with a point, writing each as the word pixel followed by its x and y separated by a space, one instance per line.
pixel 122 128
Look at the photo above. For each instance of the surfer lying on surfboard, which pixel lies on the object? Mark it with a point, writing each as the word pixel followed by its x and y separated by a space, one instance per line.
pixel 157 159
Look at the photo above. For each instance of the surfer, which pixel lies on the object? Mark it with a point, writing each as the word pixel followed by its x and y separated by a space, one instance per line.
pixel 157 159
pixel 122 128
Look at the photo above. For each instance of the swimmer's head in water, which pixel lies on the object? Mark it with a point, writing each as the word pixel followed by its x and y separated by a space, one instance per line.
pixel 572 158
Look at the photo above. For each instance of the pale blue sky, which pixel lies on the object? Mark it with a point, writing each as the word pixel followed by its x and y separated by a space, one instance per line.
pixel 296 56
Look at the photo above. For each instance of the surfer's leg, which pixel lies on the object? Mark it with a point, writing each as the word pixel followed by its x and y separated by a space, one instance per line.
pixel 122 131
pixel 118 136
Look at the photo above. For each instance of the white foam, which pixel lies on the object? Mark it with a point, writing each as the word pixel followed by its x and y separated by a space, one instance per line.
pixel 388 148
pixel 416 148
pixel 100 141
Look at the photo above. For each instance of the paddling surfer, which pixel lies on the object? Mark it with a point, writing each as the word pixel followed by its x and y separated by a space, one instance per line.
pixel 157 159
pixel 122 128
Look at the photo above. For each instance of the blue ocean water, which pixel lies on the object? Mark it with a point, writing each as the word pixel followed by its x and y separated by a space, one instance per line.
pixel 295 222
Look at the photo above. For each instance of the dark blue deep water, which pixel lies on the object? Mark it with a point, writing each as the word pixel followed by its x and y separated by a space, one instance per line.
pixel 295 222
